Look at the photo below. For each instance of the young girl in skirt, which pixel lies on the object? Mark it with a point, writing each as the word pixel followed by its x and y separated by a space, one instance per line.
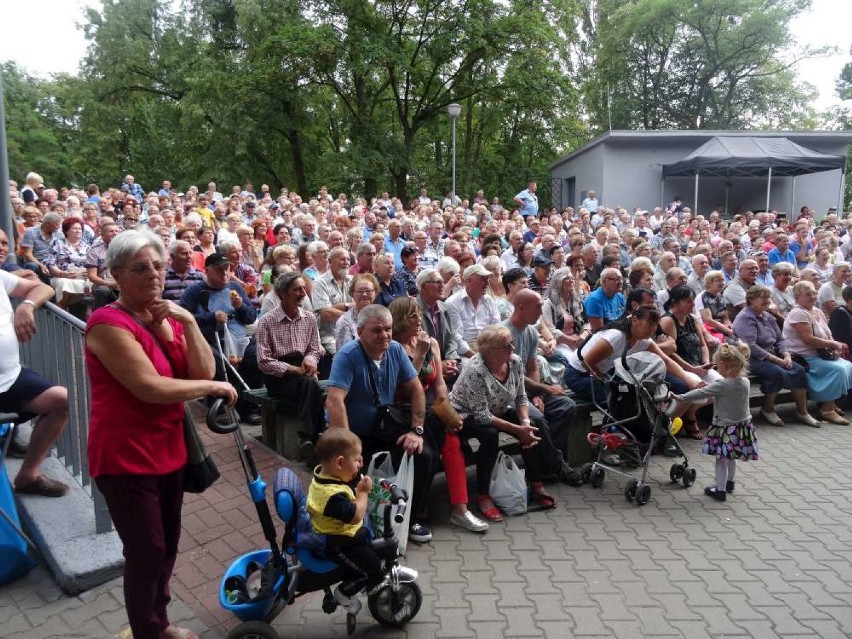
pixel 732 435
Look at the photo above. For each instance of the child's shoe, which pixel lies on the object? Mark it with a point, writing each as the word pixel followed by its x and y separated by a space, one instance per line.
pixel 715 493
pixel 729 486
pixel 352 604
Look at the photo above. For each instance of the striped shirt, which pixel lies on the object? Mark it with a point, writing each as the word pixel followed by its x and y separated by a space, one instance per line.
pixel 177 284
pixel 280 336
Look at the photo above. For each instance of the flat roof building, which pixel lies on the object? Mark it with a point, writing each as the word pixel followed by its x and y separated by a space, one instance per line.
pixel 626 168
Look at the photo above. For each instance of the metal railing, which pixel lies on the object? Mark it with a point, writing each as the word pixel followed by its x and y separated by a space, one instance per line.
pixel 56 353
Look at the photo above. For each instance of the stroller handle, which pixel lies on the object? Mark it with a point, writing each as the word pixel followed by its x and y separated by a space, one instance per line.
pixel 217 427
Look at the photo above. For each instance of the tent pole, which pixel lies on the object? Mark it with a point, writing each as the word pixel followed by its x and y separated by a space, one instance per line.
pixel 727 193
pixel 695 208
pixel 793 200
pixel 768 188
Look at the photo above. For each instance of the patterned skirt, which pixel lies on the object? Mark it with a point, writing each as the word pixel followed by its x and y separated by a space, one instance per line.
pixel 732 441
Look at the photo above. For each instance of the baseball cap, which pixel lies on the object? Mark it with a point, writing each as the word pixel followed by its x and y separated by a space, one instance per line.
pixel 542 260
pixel 476 269
pixel 216 259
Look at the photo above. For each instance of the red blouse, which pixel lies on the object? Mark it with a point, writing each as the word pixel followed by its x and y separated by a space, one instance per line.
pixel 126 435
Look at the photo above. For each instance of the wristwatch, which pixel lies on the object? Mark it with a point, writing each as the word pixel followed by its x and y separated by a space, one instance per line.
pixel 418 430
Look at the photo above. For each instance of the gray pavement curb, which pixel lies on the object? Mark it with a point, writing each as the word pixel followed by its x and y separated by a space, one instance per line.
pixel 64 530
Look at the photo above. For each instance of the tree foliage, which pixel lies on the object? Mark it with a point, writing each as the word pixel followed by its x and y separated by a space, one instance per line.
pixel 353 94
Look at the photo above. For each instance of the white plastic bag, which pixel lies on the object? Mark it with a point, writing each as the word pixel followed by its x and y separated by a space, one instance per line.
pixel 234 347
pixel 381 467
pixel 508 486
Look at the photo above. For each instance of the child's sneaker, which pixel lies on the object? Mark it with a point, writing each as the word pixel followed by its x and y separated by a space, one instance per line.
pixel 352 604
pixel 729 486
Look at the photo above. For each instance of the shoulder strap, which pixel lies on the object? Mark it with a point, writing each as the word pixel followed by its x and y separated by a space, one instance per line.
pixel 157 341
pixel 372 376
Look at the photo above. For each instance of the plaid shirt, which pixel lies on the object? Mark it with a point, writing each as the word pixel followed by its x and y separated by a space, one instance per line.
pixel 279 336
pixel 96 258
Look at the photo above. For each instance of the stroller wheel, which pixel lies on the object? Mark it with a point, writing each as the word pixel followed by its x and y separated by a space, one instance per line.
pixel 597 479
pixel 586 473
pixel 688 477
pixel 676 473
pixel 630 489
pixel 253 630
pixel 643 496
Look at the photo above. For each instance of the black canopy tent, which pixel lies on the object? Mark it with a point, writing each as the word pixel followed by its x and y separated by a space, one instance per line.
pixel 754 157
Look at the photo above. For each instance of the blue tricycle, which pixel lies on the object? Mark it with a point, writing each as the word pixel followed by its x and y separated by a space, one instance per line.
pixel 259 585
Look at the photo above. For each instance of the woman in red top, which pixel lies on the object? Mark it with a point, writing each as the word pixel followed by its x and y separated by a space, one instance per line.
pixel 145 357
pixel 425 355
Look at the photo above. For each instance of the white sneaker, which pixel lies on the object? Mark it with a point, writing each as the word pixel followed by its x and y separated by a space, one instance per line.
pixel 352 604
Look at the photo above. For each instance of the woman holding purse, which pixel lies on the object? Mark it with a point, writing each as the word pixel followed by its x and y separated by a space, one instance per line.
pixel 145 357
pixel 425 355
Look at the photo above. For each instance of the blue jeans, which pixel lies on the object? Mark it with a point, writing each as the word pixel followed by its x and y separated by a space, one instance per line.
pixel 582 385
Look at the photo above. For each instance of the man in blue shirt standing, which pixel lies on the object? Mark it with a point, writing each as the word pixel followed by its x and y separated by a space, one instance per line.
pixel 527 200
pixel 605 304
pixel 591 203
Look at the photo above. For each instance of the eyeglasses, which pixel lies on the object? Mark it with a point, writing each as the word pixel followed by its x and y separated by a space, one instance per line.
pixel 364 292
pixel 509 346
pixel 438 282
pixel 142 269
pixel 131 219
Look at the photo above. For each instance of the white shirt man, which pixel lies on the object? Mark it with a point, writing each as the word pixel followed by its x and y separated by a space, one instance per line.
pixel 471 309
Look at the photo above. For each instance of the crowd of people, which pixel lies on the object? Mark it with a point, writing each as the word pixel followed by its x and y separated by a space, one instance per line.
pixel 367 314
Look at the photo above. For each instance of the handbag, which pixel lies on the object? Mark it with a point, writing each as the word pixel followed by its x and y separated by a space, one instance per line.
pixel 447 413
pixel 508 488
pixel 825 353
pixel 391 422
pixel 200 471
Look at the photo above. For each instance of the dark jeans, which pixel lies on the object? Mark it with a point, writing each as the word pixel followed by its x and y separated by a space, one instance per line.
pixel 538 460
pixel 773 377
pixel 146 512
pixel 560 411
pixel 363 567
pixel 424 465
pixel 305 395
pixel 102 295
pixel 582 385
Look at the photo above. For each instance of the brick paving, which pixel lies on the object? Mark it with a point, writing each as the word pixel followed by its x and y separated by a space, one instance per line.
pixel 773 561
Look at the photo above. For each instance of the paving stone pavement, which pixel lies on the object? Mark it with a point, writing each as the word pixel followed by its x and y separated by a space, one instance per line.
pixel 775 560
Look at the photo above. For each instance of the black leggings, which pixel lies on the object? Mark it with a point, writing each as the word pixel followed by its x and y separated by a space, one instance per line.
pixel 362 566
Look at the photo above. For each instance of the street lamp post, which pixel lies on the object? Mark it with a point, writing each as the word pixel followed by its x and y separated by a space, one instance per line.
pixel 454 110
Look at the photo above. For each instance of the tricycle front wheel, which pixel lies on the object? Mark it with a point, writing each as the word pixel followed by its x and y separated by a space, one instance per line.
pixel 396 608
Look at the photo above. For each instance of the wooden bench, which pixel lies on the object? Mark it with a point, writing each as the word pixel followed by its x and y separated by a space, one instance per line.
pixel 279 423
pixel 280 427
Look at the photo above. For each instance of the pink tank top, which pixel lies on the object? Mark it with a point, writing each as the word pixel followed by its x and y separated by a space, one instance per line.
pixel 126 435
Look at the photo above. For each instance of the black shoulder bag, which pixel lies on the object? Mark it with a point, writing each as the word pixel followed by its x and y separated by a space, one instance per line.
pixel 391 422
pixel 200 471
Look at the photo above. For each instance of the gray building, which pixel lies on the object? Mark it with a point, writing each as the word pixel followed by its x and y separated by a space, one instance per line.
pixel 625 168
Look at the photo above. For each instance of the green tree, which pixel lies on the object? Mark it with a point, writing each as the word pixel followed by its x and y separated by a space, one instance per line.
pixel 716 64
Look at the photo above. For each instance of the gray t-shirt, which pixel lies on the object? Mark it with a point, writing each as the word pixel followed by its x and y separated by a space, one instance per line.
pixel 525 342
pixel 730 399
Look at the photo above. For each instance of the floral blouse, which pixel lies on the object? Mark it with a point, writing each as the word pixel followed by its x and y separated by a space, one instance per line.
pixel 66 257
pixel 478 393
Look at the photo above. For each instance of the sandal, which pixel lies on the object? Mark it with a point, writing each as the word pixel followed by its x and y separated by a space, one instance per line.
pixel 692 429
pixel 488 509
pixel 833 417
pixel 539 496
pixel 43 486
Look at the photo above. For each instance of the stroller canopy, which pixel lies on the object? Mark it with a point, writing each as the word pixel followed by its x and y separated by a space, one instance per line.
pixel 646 368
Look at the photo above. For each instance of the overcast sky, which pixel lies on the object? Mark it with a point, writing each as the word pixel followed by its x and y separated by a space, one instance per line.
pixel 828 23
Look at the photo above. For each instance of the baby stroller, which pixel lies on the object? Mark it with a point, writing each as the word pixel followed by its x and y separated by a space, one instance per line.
pixel 635 423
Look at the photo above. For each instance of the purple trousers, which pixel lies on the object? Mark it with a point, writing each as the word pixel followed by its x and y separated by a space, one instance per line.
pixel 146 512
